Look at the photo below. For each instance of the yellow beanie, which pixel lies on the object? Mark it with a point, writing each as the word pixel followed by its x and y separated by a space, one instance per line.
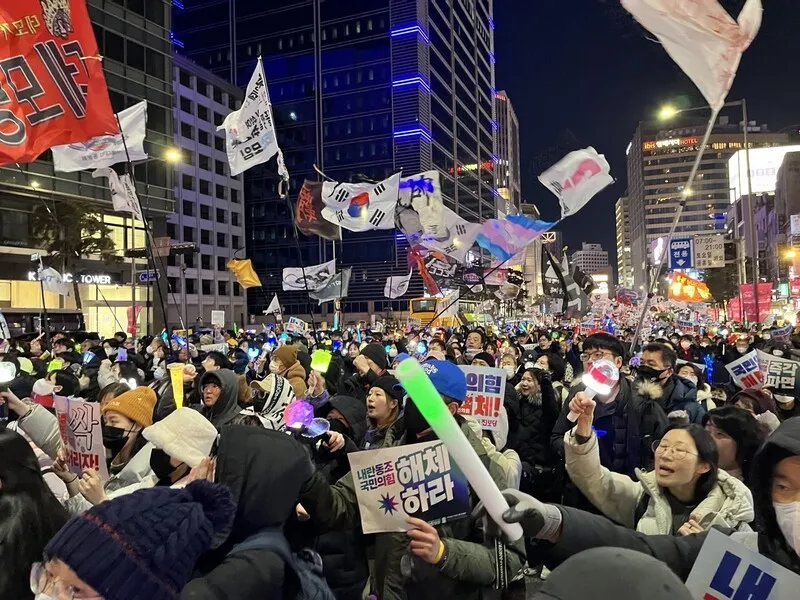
pixel 137 404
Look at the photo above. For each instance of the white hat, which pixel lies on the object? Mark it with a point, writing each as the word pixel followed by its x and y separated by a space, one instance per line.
pixel 185 434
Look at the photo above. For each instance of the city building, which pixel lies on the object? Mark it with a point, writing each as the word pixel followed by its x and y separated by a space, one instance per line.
pixel 134 39
pixel 553 242
pixel 210 203
pixel 361 90
pixel 532 266
pixel 623 229
pixel 590 259
pixel 507 168
pixel 660 157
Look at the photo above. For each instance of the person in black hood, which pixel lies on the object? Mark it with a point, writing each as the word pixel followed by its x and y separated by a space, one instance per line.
pixel 219 391
pixel 657 374
pixel 264 471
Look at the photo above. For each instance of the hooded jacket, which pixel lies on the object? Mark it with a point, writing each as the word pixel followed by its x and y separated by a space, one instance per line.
pixel 678 394
pixel 265 491
pixel 226 407
pixel 296 375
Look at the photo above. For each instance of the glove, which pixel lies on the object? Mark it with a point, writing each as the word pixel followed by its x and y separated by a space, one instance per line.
pixel 539 521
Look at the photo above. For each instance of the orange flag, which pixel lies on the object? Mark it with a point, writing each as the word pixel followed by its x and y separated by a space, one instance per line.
pixel 245 275
pixel 686 289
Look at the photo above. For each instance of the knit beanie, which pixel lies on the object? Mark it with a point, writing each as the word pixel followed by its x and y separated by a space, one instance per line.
pixel 136 404
pixel 287 355
pixel 486 357
pixel 377 354
pixel 144 544
pixel 390 385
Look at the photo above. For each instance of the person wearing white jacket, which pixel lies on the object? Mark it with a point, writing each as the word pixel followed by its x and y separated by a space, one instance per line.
pixel 494 441
pixel 686 493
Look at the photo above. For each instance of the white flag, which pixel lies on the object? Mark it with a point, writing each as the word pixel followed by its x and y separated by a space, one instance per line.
pixel 336 288
pixel 274 307
pixel 106 150
pixel 361 206
pixel 576 178
pixel 702 38
pixel 396 286
pixel 312 278
pixel 419 206
pixel 52 281
pixel 250 131
pixel 456 239
pixel 123 192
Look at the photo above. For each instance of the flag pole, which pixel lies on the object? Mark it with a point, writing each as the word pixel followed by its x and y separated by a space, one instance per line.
pixel 46 326
pixel 302 262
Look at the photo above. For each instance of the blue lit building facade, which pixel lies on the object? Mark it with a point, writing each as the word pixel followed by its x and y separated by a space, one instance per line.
pixel 362 89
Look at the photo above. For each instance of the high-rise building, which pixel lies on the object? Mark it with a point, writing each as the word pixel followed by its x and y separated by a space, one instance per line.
pixel 660 157
pixel 210 203
pixel 532 267
pixel 133 38
pixel 590 259
pixel 359 89
pixel 507 168
pixel 623 228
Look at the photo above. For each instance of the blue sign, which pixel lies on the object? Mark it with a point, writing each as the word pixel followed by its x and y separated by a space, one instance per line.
pixel 681 253
pixel 148 276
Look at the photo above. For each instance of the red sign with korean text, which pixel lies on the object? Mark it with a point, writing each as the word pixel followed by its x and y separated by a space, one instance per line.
pixel 52 87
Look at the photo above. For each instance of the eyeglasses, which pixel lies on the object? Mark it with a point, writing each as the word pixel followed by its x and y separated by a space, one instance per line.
pixel 678 452
pixel 42 581
pixel 596 355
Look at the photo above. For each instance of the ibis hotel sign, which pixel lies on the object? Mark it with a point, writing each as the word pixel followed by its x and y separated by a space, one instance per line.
pixel 670 143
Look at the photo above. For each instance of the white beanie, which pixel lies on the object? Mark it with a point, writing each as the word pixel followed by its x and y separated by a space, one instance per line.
pixel 184 434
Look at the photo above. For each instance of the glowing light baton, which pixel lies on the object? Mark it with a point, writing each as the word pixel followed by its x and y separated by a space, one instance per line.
pixel 176 378
pixel 600 379
pixel 430 404
pixel 321 360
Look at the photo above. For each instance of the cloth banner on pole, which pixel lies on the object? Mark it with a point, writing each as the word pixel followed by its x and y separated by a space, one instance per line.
pixel 396 285
pixel 746 371
pixel 308 213
pixel 420 210
pixel 486 387
pixel 59 94
pixel 457 237
pixel 702 39
pixel 506 237
pixel 123 192
pixel 576 178
pixel 133 317
pixel 274 307
pixel 244 272
pixel 80 426
pixel 336 288
pixel 361 206
pixel 250 137
pixel 106 150
pixel 418 480
pixel 52 281
pixel 311 278
pixel 749 301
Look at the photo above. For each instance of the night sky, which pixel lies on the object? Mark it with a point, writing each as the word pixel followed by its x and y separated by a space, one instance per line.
pixel 582 73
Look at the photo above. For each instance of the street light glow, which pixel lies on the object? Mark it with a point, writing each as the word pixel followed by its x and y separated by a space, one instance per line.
pixel 35 184
pixel 789 254
pixel 172 155
pixel 667 112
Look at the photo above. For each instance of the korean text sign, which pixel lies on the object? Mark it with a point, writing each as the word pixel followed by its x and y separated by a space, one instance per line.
pixel 408 481
pixel 725 569
pixel 80 426
pixel 486 388
pixel 52 88
pixel 746 371
pixel 295 326
pixel 779 374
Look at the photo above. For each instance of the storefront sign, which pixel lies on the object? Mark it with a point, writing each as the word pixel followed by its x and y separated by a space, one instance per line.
pixel 670 143
pixel 90 278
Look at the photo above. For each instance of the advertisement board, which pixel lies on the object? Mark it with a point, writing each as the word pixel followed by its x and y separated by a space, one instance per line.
pixel 764 165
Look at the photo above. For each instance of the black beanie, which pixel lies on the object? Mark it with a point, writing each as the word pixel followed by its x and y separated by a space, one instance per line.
pixel 486 357
pixel 390 385
pixel 377 354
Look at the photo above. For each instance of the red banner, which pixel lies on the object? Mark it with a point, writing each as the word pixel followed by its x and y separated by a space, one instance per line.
pixel 749 301
pixel 52 87
pixel 794 287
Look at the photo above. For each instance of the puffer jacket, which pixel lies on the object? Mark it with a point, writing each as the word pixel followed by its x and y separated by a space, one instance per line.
pixel 535 420
pixel 468 573
pixel 680 394
pixel 728 504
pixel 296 375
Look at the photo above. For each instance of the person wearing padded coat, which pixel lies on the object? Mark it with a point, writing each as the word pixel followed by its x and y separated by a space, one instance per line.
pixel 284 362
pixel 219 393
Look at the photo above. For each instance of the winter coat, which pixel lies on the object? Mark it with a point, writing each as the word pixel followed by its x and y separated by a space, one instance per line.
pixel 704 397
pixel 537 416
pixel 226 408
pixel 677 394
pixel 296 375
pixel 508 459
pixel 470 568
pixel 728 504
pixel 265 491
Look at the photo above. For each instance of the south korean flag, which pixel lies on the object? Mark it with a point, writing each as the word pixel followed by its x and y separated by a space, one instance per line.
pixel 361 206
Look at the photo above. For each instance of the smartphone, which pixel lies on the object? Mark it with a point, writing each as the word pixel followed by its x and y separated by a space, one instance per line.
pixel 88 357
pixel 122 355
pixel 165 337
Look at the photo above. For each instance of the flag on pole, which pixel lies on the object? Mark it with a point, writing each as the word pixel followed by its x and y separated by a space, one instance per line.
pixel 361 206
pixel 336 288
pixel 420 210
pixel 702 39
pixel 396 286
pixel 250 137
pixel 123 192
pixel 576 178
pixel 457 237
pixel 308 213
pixel 106 150
pixel 311 278
pixel 274 307
pixel 244 272
pixel 505 237
pixel 553 282
pixel 52 281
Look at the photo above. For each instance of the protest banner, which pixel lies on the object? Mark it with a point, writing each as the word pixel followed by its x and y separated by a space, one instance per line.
pixel 221 347
pixel 781 375
pixel 746 371
pixel 80 426
pixel 295 326
pixel 486 388
pixel 408 481
pixel 218 318
pixel 726 569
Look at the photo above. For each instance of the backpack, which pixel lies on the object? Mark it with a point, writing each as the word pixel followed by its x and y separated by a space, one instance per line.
pixel 306 564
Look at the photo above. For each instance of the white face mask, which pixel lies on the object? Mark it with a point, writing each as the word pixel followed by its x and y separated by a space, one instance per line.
pixel 273 367
pixel 686 345
pixel 777 352
pixel 393 352
pixel 788 516
pixel 691 378
pixel 766 336
pixel 159 372
pixel 783 399
pixel 741 349
pixel 510 371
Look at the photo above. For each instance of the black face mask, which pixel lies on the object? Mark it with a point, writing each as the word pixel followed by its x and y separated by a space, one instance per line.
pixel 114 439
pixel 159 462
pixel 339 427
pixel 415 424
pixel 646 373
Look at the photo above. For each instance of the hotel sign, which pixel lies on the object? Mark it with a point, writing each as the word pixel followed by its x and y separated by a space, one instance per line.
pixel 670 143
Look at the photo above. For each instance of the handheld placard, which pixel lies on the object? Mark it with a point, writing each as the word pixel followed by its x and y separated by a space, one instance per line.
pixel 176 378
pixel 430 404
pixel 600 379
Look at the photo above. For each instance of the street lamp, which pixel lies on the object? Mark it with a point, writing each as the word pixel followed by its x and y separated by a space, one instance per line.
pixel 789 254
pixel 667 112
pixel 173 155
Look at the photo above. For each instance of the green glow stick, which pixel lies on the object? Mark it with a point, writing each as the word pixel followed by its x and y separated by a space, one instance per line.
pixel 430 404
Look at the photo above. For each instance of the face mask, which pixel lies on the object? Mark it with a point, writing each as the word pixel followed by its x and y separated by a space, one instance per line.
pixel 691 378
pixel 110 351
pixel 766 336
pixel 114 439
pixel 470 354
pixel 788 516
pixel 42 392
pixel 159 373
pixel 783 399
pixel 704 344
pixel 148 350
pixel 777 352
pixel 393 352
pixel 339 427
pixel 343 351
pixel 273 367
pixel 415 423
pixel 741 349
pixel 159 462
pixel 685 345
pixel 510 371
pixel 646 373
pixel 674 340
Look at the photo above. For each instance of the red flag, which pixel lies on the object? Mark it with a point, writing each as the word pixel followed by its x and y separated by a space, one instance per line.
pixel 52 87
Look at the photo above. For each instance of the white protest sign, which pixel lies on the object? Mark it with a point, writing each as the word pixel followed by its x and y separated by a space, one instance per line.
pixel 486 388
pixel 221 347
pixel 295 326
pixel 408 481
pixel 779 374
pixel 726 569
pixel 218 318
pixel 746 371
pixel 80 426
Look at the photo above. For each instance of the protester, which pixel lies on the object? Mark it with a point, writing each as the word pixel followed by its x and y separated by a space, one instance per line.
pixel 556 367
pixel 692 373
pixel 760 404
pixel 738 436
pixel 219 393
pixel 656 374
pixel 369 365
pixel 272 395
pixel 384 403
pixel 284 363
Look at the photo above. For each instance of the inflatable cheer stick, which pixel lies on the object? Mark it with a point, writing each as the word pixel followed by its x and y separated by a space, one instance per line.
pixel 430 404
pixel 600 379
pixel 176 379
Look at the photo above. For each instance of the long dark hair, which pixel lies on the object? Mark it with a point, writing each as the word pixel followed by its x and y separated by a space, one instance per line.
pixel 706 452
pixel 744 429
pixel 29 514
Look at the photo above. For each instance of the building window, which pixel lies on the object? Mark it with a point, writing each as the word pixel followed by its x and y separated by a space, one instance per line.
pixel 206 287
pixel 205 261
pixel 185 78
pixel 205 211
pixel 174 284
pixel 188 260
pixel 219 167
pixel 231 102
pixel 222 287
pixel 188 182
pixel 188 234
pixel 235 196
pixel 191 286
pixel 221 241
pixel 219 143
pixel 218 119
pixel 202 112
pixel 234 218
pixel 205 236
pixel 187 131
pixel 221 216
pixel 171 230
pixel 205 162
pixel 202 87
pixel 204 138
pixel 205 187
pixel 186 105
pixel 217 95
pixel 220 263
pixel 235 242
pixel 188 208
pixel 237 289
pixel 220 191
pixel 134 55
